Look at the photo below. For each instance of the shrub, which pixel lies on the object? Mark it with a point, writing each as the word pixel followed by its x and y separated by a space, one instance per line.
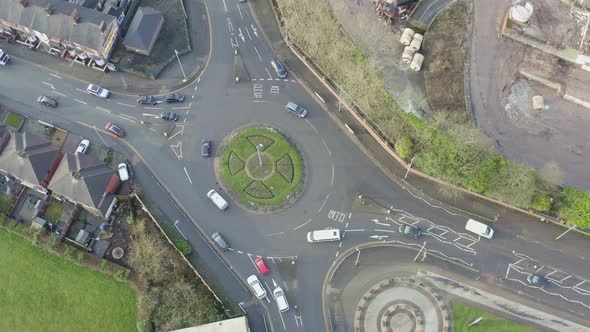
pixel 122 275
pixel 515 183
pixel 37 235
pixel 404 147
pixel 184 247
pixel 81 257
pixel 54 242
pixel 69 252
pixel 575 207
pixel 541 202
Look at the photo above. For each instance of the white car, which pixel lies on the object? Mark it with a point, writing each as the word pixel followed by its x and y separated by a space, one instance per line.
pixel 98 91
pixel 281 299
pixel 256 286
pixel 83 147
pixel 123 173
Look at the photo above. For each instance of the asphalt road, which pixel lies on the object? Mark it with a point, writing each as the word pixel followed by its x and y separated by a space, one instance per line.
pixel 337 171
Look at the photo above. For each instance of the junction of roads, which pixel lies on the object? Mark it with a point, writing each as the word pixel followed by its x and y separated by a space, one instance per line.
pixel 344 189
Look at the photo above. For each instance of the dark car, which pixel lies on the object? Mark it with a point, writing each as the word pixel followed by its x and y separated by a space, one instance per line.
pixel 220 241
pixel 536 280
pixel 147 100
pixel 205 147
pixel 175 98
pixel 410 231
pixel 279 68
pixel 47 101
pixel 169 116
pixel 114 129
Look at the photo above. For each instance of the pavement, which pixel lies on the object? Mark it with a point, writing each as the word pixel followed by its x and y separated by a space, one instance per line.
pixel 175 178
pixel 171 77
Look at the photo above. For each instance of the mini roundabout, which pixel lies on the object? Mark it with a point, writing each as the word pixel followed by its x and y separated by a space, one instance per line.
pixel 260 168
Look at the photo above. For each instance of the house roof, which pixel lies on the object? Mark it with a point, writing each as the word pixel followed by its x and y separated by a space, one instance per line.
pixel 87 32
pixel 31 158
pixel 82 179
pixel 144 28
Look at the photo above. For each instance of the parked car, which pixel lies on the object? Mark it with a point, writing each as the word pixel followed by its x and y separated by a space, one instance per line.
pixel 220 241
pixel 281 299
pixel 47 101
pixel 175 98
pixel 205 147
pixel 410 231
pixel 256 287
pixel 114 129
pixel 279 68
pixel 296 109
pixel 83 146
pixel 123 172
pixel 261 266
pixel 536 280
pixel 169 116
pixel 147 100
pixel 98 91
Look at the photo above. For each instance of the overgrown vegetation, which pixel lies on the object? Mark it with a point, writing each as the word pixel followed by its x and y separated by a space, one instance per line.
pixel 54 211
pixel 43 292
pixel 444 54
pixel 444 146
pixel 170 297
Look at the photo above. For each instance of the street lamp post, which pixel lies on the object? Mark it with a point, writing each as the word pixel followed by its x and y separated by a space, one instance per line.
pixel 180 64
pixel 258 147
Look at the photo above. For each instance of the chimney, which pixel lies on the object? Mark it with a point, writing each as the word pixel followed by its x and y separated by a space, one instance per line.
pixel 24 3
pixel 75 15
pixel 102 26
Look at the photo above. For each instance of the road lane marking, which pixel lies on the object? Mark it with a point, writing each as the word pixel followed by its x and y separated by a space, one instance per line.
pixel 124 118
pixel 325 200
pixel 305 223
pixel 332 182
pixel 181 108
pixel 240 11
pixel 83 91
pixel 56 76
pixel 230 26
pixel 153 108
pixel 128 105
pixel 81 102
pixel 188 176
pixel 259 57
pixel 328 149
pixel 179 231
pixel 100 136
pixel 384 230
pixel 270 77
pixel 129 116
pixel 48 84
pixel 103 109
pixel 273 234
pixel 59 93
pixel 312 126
pixel 248 32
pixel 224 6
pixel 177 149
pixel 355 230
pixel 380 223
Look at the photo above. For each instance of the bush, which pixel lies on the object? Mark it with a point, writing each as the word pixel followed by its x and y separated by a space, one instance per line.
pixel 184 247
pixel 69 252
pixel 37 235
pixel 54 242
pixel 541 202
pixel 575 207
pixel 514 183
pixel 81 257
pixel 404 147
pixel 122 275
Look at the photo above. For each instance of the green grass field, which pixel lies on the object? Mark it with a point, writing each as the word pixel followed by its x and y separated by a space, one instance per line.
pixel 463 315
pixel 14 120
pixel 277 147
pixel 42 292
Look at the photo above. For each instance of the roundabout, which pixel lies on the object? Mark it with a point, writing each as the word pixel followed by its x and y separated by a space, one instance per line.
pixel 261 169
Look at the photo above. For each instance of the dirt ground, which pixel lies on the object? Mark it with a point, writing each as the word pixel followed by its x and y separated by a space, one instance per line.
pixel 502 104
pixel 381 46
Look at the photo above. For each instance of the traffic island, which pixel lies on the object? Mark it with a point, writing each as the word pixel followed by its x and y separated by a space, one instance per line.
pixel 260 168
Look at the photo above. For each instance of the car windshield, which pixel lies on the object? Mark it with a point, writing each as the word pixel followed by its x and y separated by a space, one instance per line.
pixel 115 129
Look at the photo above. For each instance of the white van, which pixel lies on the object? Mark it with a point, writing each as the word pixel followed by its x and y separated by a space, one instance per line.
pixel 479 228
pixel 324 235
pixel 217 199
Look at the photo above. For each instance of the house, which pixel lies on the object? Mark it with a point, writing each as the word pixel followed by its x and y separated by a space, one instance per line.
pixel 143 31
pixel 29 158
pixel 62 27
pixel 91 183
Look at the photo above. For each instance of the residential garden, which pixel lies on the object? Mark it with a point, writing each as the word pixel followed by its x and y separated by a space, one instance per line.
pixel 441 146
pixel 270 177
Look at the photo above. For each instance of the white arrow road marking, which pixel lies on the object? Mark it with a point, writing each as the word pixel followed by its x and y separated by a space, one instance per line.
pixel 254 30
pixel 177 149
pixel 181 131
pixel 380 223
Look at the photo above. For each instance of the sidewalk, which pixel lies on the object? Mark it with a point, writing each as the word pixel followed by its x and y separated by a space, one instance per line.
pixel 170 78
pixel 469 205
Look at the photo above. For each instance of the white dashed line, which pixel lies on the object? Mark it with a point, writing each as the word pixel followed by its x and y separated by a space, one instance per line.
pixel 259 57
pixel 56 76
pixel 58 93
pixel 326 145
pixel 83 91
pixel 321 207
pixel 305 223
pixel 129 116
pixel 48 84
pixel 102 109
pixel 124 118
pixel 81 102
pixel 128 105
pixel 181 108
pixel 153 108
pixel 384 230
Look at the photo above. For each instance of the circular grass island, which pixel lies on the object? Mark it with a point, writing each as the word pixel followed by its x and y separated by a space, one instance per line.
pixel 265 181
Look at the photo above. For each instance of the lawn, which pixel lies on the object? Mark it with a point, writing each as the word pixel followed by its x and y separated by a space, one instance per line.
pixel 42 292
pixel 463 315
pixel 14 121
pixel 285 178
pixel 5 203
